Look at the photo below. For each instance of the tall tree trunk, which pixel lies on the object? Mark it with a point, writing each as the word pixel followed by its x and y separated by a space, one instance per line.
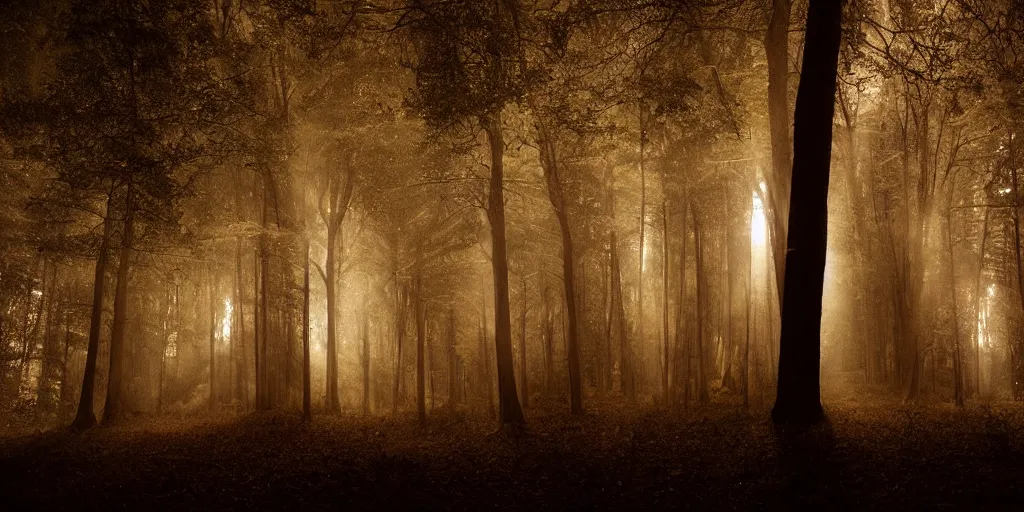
pixel 958 380
pixel 681 312
pixel 979 301
pixel 605 351
pixel 213 341
pixel 256 337
pixel 701 276
pixel 524 371
pixel 453 366
pixel 799 397
pixel 421 334
pixel 262 382
pixel 366 361
pixel 549 346
pixel 665 387
pixel 115 382
pixel 626 382
pixel 730 348
pixel 641 343
pixel 748 289
pixel 509 411
pixel 917 239
pixel 241 372
pixel 549 162
pixel 307 392
pixel 333 403
pixel 85 418
pixel 1014 363
pixel 400 312
pixel 776 46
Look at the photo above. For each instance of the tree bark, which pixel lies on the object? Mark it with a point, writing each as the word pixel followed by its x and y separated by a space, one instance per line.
pixel 115 382
pixel 366 361
pixel 958 380
pixel 509 410
pixel 524 371
pixel 400 313
pixel 701 276
pixel 213 342
pixel 453 367
pixel 665 389
pixel 799 388
pixel 85 418
pixel 549 162
pixel 776 46
pixel 306 389
pixel 421 334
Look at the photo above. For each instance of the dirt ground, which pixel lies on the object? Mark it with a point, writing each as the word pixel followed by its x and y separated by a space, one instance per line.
pixel 868 456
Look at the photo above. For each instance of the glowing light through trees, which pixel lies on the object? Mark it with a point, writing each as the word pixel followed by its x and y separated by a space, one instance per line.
pixel 758 222
pixel 225 322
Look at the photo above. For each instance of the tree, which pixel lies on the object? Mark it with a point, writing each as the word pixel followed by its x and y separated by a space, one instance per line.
pixel 468 50
pixel 799 396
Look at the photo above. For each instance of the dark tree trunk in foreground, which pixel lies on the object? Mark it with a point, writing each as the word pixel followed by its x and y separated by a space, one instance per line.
pixel 799 386
pixel 85 417
pixel 115 382
pixel 509 411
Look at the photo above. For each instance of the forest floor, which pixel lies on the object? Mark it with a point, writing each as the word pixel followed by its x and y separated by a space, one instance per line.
pixel 877 455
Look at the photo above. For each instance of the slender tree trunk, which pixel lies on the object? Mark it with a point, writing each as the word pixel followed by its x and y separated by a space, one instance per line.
pixel 979 301
pixel 509 411
pixel 213 340
pixel 641 342
pixel 524 371
pixel 665 387
pixel 307 398
pixel 366 361
pixel 555 194
pixel 257 390
pixel 85 418
pixel 549 347
pixel 748 289
pixel 604 352
pixel 958 380
pixel 115 382
pixel 1014 363
pixel 730 347
pixel 698 251
pixel 798 398
pixel 241 372
pixel 776 45
pixel 400 313
pixel 421 334
pixel 453 366
pixel 626 382
pixel 681 335
pixel 333 403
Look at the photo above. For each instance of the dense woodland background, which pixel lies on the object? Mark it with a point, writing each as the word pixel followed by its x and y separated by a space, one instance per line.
pixel 373 208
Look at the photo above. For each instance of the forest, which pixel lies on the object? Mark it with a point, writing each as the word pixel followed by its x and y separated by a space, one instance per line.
pixel 578 242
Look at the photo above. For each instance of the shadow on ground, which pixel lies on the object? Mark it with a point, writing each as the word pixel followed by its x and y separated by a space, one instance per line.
pixel 867 456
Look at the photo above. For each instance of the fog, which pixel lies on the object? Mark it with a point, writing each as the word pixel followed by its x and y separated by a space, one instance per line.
pixel 380 209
